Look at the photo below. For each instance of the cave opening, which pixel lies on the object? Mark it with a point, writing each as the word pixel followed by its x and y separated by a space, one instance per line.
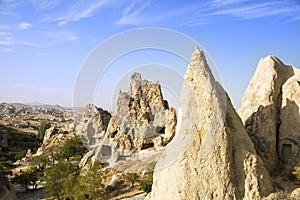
pixel 147 145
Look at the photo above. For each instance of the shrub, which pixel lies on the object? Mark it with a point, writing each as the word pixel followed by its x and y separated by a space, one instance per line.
pixel 146 185
pixel 21 154
pixel 132 178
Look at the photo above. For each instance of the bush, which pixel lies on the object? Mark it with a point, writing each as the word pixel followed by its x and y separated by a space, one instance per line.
pixel 28 177
pixel 42 128
pixel 21 154
pixel 297 172
pixel 132 178
pixel 146 185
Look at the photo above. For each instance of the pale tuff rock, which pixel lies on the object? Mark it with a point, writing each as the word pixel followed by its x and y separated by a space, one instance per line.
pixel 211 155
pixel 93 125
pixel 142 120
pixel 270 112
pixel 55 137
pixel 142 117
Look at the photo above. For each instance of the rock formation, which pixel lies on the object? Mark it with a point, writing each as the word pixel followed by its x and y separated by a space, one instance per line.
pixel 93 125
pixel 55 137
pixel 143 120
pixel 211 155
pixel 270 112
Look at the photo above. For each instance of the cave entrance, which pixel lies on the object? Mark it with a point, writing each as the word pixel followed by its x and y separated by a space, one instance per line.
pixel 148 145
pixel 286 152
pixel 160 129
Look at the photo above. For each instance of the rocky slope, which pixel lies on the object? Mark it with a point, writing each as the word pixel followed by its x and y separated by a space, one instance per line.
pixel 211 155
pixel 143 120
pixel 270 112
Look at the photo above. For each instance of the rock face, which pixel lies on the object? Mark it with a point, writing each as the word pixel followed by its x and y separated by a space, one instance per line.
pixel 211 155
pixel 270 112
pixel 55 137
pixel 93 125
pixel 143 120
pixel 7 191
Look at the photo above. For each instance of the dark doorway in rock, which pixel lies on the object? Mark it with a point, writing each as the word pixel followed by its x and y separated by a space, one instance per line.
pixel 114 134
pixel 160 129
pixel 106 150
pixel 286 152
pixel 148 145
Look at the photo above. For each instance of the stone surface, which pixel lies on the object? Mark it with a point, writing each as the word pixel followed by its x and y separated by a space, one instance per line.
pixel 92 126
pixel 142 121
pixel 270 112
pixel 7 191
pixel 143 118
pixel 211 155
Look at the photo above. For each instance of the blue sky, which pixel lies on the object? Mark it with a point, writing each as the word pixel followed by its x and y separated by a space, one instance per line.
pixel 43 43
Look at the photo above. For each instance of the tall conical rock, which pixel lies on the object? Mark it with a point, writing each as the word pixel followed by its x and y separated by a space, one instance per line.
pixel 211 155
pixel 270 112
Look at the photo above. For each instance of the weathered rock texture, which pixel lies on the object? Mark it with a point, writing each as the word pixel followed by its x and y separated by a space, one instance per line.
pixel 270 112
pixel 55 137
pixel 211 155
pixel 93 125
pixel 143 120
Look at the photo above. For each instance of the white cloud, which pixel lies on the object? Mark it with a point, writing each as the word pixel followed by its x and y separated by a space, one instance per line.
pixel 8 50
pixel 42 54
pixel 73 37
pixel 130 13
pixel 24 25
pixel 8 41
pixel 3 33
pixel 46 4
pixel 81 9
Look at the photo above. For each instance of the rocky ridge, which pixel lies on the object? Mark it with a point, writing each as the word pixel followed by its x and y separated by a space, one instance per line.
pixel 211 155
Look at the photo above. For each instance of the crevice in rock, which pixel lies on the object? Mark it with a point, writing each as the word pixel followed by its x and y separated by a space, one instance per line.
pixel 278 122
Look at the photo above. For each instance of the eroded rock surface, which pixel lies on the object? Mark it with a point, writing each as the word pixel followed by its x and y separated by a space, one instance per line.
pixel 211 155
pixel 143 120
pixel 270 112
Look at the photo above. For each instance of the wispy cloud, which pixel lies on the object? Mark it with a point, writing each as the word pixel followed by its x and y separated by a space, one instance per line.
pixel 244 10
pixel 80 10
pixel 7 50
pixel 46 4
pixel 130 13
pixel 42 54
pixel 24 25
pixel 4 33
pixel 254 11
pixel 8 41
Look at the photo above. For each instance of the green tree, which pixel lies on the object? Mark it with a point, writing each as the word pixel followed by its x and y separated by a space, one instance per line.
pixel 89 184
pixel 57 176
pixel 73 148
pixel 132 178
pixel 28 177
pixel 42 128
